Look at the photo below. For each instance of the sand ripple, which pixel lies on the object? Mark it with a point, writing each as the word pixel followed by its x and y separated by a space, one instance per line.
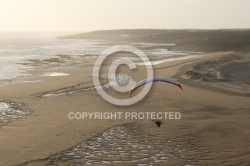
pixel 119 144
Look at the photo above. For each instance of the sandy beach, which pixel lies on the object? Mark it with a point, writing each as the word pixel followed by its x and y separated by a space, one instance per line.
pixel 213 129
pixel 124 83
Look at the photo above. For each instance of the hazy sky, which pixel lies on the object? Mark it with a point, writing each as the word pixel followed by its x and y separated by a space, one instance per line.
pixel 85 15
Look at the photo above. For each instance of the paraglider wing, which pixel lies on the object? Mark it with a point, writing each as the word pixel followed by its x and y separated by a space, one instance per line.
pixel 146 81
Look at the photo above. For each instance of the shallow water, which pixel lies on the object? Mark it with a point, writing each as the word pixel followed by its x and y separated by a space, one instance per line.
pixel 10 111
pixel 17 48
pixel 54 74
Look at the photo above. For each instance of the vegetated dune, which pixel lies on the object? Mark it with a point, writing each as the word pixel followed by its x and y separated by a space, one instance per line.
pixel 229 73
pixel 186 40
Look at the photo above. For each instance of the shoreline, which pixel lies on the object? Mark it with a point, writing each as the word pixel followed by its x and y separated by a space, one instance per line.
pixel 48 131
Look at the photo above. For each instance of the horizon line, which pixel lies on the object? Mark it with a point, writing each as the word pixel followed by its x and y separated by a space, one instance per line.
pixel 125 29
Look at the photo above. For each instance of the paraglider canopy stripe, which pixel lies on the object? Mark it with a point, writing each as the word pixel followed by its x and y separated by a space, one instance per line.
pixel 146 81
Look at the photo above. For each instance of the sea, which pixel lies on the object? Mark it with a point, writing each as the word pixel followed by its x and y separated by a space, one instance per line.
pixel 16 48
pixel 19 47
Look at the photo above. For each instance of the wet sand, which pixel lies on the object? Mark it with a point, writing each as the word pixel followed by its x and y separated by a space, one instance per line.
pixel 213 129
pixel 128 144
